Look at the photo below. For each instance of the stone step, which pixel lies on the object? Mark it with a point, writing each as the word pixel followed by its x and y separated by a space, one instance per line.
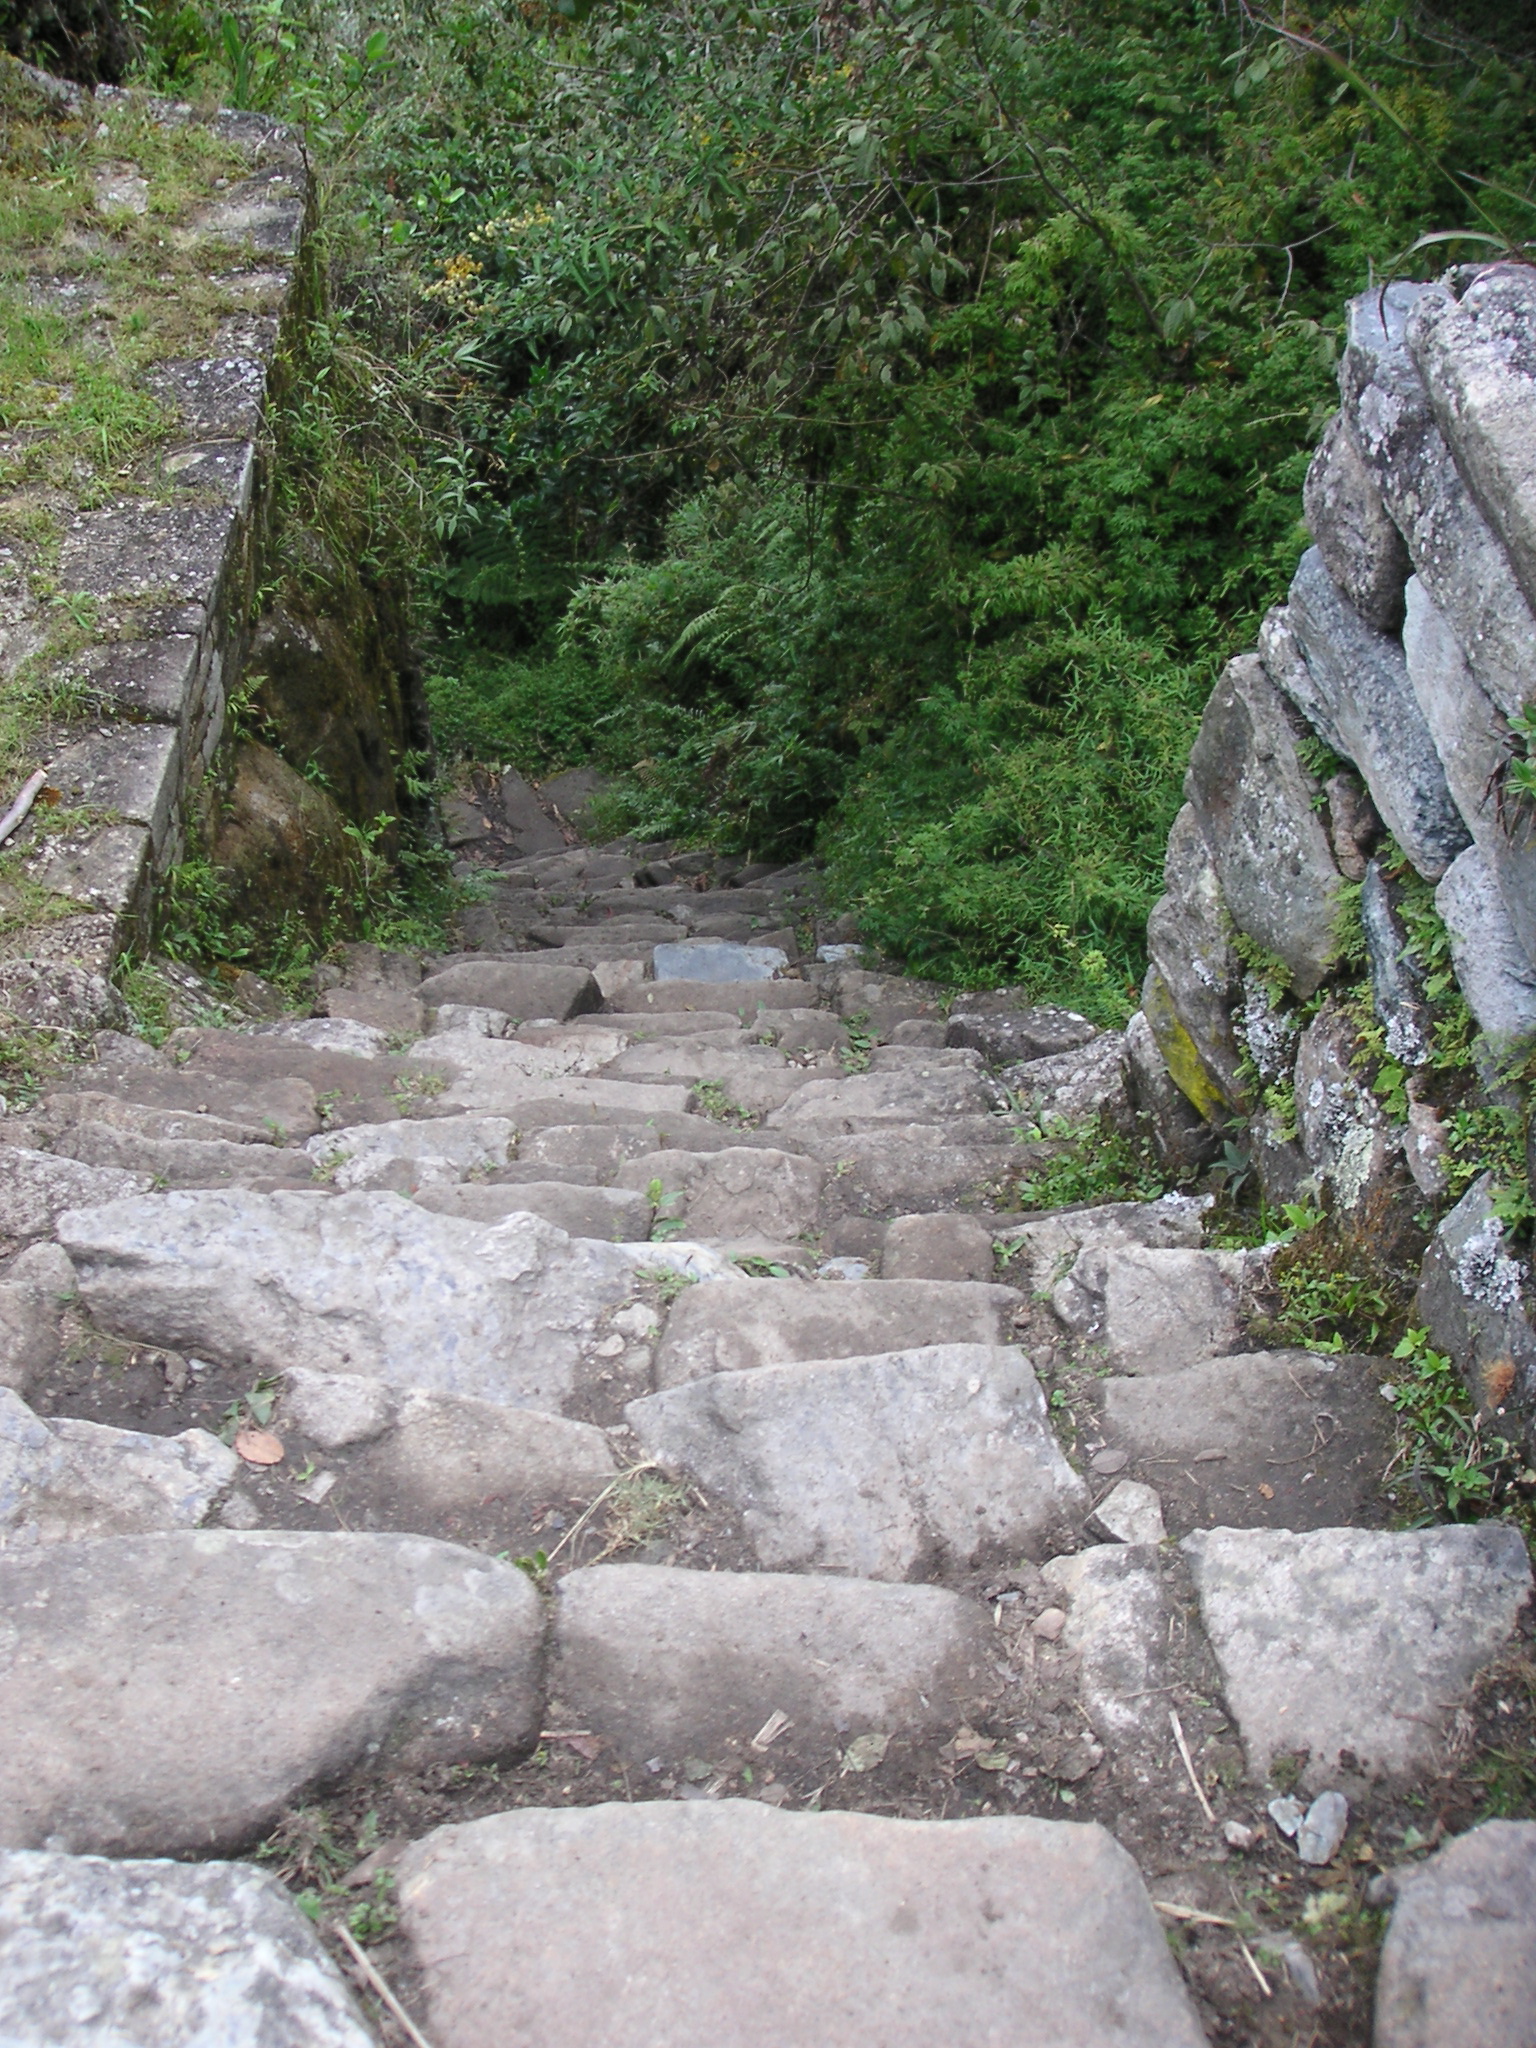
pixel 710 1922
pixel 1145 1310
pixel 896 1466
pixel 163 1955
pixel 750 1325
pixel 36 1188
pixel 736 1192
pixel 744 999
pixel 152 1704
pixel 185 1162
pixel 864 1102
pixel 62 1479
pixel 1458 1967
pixel 521 986
pixel 678 1664
pixel 622 1214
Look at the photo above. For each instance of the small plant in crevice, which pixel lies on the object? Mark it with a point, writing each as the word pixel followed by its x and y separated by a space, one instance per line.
pixel 1340 1285
pixel 1095 1162
pixel 1451 1455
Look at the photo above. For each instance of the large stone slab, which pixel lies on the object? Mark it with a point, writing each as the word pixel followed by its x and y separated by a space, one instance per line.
pixel 776 1322
pixel 1373 718
pixel 1258 809
pixel 1269 1439
pixel 1117 1625
pixel 365 1283
pixel 162 1955
pixel 760 1928
pixel 752 1078
pixel 1354 1645
pixel 442 1148
pixel 618 1214
pixel 1194 977
pixel 717 960
pixel 906 1169
pixel 1477 356
pixel 1493 969
pixel 863 1102
pixel 536 1085
pixel 742 999
pixel 1361 547
pixel 183 1162
pixel 1005 1037
pixel 735 1193
pixel 1073 1088
pixel 937 1247
pixel 1453 547
pixel 37 1187
pixel 521 987
pixel 60 1478
pixel 1046 1246
pixel 885 1467
pixel 1458 1966
pixel 1149 1310
pixel 153 1700
pixel 674 1663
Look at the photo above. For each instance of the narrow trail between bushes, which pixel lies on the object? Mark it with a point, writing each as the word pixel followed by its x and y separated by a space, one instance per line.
pixel 575 1460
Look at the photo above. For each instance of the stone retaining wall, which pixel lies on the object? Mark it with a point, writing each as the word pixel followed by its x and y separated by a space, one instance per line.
pixel 1365 756
pixel 152 577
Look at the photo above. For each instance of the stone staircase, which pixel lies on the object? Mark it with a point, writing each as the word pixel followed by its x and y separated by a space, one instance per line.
pixel 581 1447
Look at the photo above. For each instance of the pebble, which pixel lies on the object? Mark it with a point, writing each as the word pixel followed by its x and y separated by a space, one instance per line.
pixel 1287 1815
pixel 1238 1835
pixel 1106 1462
pixel 1049 1625
pixel 1323 1829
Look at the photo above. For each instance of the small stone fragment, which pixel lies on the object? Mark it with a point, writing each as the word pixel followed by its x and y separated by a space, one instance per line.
pixel 1287 1815
pixel 1319 1836
pixel 1048 1624
pixel 1131 1513
pixel 1109 1462
pixel 1238 1835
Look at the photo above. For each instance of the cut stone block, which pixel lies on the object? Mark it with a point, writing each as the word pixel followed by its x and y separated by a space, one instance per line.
pixel 1005 1037
pixel 1269 1439
pixel 281 1103
pixel 937 1247
pixel 1471 1299
pixel 776 1322
pixel 861 1102
pixel 1153 1311
pixel 362 1283
pixel 133 771
pixel 617 1214
pixel 1073 1087
pixel 523 988
pixel 1496 975
pixel 183 1162
pixel 62 1479
pixel 908 1169
pixel 163 1955
pixel 1344 1130
pixel 1458 1966
pixel 845 1929
pixel 1117 1623
pixel 717 960
pixel 537 1085
pixel 1257 808
pixel 1047 1247
pixel 752 1078
pixel 884 1467
pixel 1131 1513
pixel 95 1106
pixel 737 1192
pixel 37 1187
pixel 1353 1645
pixel 443 1148
pixel 150 1706
pixel 1361 547
pixel 1194 977
pixel 743 998
pixel 662 1662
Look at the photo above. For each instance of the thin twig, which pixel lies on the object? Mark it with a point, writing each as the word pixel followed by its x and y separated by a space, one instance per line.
pixel 22 805
pixel 1258 1975
pixel 345 1936
pixel 1189 1913
pixel 1189 1765
pixel 581 1521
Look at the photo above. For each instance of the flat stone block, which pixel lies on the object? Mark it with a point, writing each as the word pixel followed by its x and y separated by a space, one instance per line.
pixel 133 769
pixel 1458 1967
pixel 134 551
pixel 717 960
pixel 151 678
pixel 107 870
pixel 61 1479
pixel 216 399
pixel 522 988
pixel 698 1924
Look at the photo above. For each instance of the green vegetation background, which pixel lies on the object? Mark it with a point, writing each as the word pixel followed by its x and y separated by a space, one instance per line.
pixel 867 427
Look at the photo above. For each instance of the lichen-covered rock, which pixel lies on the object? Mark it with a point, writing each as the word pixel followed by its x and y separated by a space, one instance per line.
pixel 1257 809
pixel 1454 549
pixel 1373 717
pixel 1496 975
pixel 1184 1141
pixel 1477 355
pixel 1344 1131
pixel 1195 976
pixel 1355 534
pixel 1471 1299
pixel 1396 990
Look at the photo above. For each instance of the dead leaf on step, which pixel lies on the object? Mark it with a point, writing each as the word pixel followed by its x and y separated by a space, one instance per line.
pixel 1267 1490
pixel 258 1446
pixel 865 1752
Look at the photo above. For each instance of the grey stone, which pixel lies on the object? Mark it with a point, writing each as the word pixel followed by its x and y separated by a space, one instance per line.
pixel 1453 548
pixel 1257 808
pixel 1347 1643
pixel 182 1162
pixel 737 1192
pixel 442 1148
pixel 329 1034
pixel 64 995
pixel 363 1283
pixel 1074 1087
pixel 905 1169
pixel 537 1085
pixel 939 1247
pixel 754 1078
pixel 1046 1247
pixel 1354 828
pixel 759 1323
pixel 1183 1140
pixel 282 1103
pixel 1373 718
pixel 1007 1036
pixel 337 1410
pixel 742 999
pixel 1344 1130
pixel 1154 1311
pixel 845 1929
pixel 1117 1623
pixel 1194 977
pixel 528 822
pixel 62 1479
pixel 162 1955
pixel 674 1663
pixel 1495 973
pixel 617 1214
pixel 1322 1830
pixel 523 988
pixel 1360 545
pixel 1477 356
pixel 1458 1966
pixel 107 869
pixel 96 1106
pixel 140 551
pixel 37 1187
pixel 150 1704
pixel 951 1447
pixel 1276 1439
pixel 133 770
pixel 36 1288
pixel 863 1102
pixel 1471 1300
pixel 1131 1513
pixel 1396 982
pixel 717 960
pixel 1474 744
pixel 1269 1031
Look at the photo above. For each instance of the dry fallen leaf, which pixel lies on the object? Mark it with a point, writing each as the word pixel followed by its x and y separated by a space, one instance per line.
pixel 1267 1490
pixel 258 1446
pixel 865 1752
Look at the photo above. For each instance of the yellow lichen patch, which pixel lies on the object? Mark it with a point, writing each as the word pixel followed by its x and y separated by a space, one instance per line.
pixel 1191 1075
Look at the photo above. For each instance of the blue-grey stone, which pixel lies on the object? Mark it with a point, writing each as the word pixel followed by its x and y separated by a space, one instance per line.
pixel 717 960
pixel 1395 988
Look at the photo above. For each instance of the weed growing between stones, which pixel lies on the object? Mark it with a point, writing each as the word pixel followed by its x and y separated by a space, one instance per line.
pixel 1097 1162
